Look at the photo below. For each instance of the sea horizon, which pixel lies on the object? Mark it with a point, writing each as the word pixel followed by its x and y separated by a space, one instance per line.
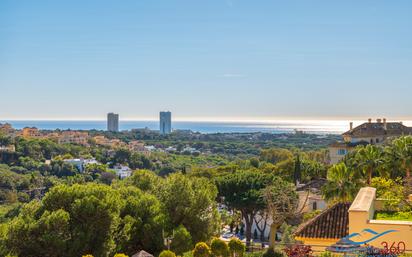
pixel 206 126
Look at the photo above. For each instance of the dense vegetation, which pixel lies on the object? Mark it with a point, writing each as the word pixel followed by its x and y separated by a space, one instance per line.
pixel 386 167
pixel 50 208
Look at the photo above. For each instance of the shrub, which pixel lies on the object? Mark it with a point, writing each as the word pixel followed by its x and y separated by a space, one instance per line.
pixel 236 247
pixel 120 255
pixel 326 254
pixel 201 250
pixel 298 251
pixel 188 254
pixel 287 235
pixel 270 252
pixel 219 248
pixel 254 254
pixel 167 253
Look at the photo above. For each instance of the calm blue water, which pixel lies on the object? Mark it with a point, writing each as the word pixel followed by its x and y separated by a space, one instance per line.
pixel 316 127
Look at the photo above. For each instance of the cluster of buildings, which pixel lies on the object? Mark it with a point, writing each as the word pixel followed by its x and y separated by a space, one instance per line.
pixel 350 224
pixel 61 137
pixel 346 227
pixel 121 171
pixel 369 132
pixel 134 145
pixel 83 138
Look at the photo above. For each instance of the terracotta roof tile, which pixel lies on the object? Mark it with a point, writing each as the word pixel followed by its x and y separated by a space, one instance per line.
pixel 332 223
pixel 313 184
pixel 376 129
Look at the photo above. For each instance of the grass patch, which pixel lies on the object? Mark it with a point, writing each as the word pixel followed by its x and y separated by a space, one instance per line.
pixel 402 215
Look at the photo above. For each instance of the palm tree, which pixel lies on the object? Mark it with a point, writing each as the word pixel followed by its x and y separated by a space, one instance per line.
pixel 369 159
pixel 343 184
pixel 392 167
pixel 403 149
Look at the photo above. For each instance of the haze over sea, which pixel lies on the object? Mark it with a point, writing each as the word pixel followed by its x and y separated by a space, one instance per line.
pixel 281 126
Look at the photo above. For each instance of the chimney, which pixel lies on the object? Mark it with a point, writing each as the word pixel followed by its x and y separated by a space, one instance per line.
pixel 378 120
pixel 369 120
pixel 384 123
pixel 350 125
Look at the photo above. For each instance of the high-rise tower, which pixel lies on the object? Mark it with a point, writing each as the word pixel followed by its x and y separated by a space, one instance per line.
pixel 113 122
pixel 165 123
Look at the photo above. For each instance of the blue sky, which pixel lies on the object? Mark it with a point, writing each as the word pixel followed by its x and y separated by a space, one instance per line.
pixel 223 59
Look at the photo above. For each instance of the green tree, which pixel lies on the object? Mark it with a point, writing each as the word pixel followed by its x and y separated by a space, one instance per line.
pixel 312 170
pixel 95 169
pixel 242 191
pixel 297 175
pixel 190 201
pixel 5 140
pixel 70 221
pixel 368 159
pixel 139 161
pixel 403 149
pixel 121 156
pixel 141 222
pixel 281 200
pixel 276 155
pixel 254 162
pixel 182 241
pixel 45 236
pixel 93 210
pixel 343 184
pixel 145 180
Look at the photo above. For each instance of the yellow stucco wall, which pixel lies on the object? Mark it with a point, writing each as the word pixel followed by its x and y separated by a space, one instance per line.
pixel 334 157
pixel 361 216
pixel 361 220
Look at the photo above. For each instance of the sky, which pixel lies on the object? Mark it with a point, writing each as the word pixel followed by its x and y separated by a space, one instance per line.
pixel 214 59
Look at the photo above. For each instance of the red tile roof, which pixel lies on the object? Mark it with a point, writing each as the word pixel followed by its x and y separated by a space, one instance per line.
pixel 332 223
pixel 379 129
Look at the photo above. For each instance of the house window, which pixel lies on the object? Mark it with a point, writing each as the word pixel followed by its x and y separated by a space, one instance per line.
pixel 377 140
pixel 371 141
pixel 341 151
pixel 314 206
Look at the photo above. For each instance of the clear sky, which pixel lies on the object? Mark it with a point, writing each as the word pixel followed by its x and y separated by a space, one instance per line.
pixel 223 59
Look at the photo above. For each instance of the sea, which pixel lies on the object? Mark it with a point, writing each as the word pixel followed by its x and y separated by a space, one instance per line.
pixel 281 126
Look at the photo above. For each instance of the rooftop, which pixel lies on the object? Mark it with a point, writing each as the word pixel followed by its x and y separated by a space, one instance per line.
pixel 379 128
pixel 332 223
pixel 313 184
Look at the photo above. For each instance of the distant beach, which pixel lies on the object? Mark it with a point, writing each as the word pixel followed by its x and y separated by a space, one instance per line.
pixel 312 126
pixel 315 127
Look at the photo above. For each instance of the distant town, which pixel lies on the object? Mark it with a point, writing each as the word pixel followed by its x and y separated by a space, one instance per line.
pixel 314 169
